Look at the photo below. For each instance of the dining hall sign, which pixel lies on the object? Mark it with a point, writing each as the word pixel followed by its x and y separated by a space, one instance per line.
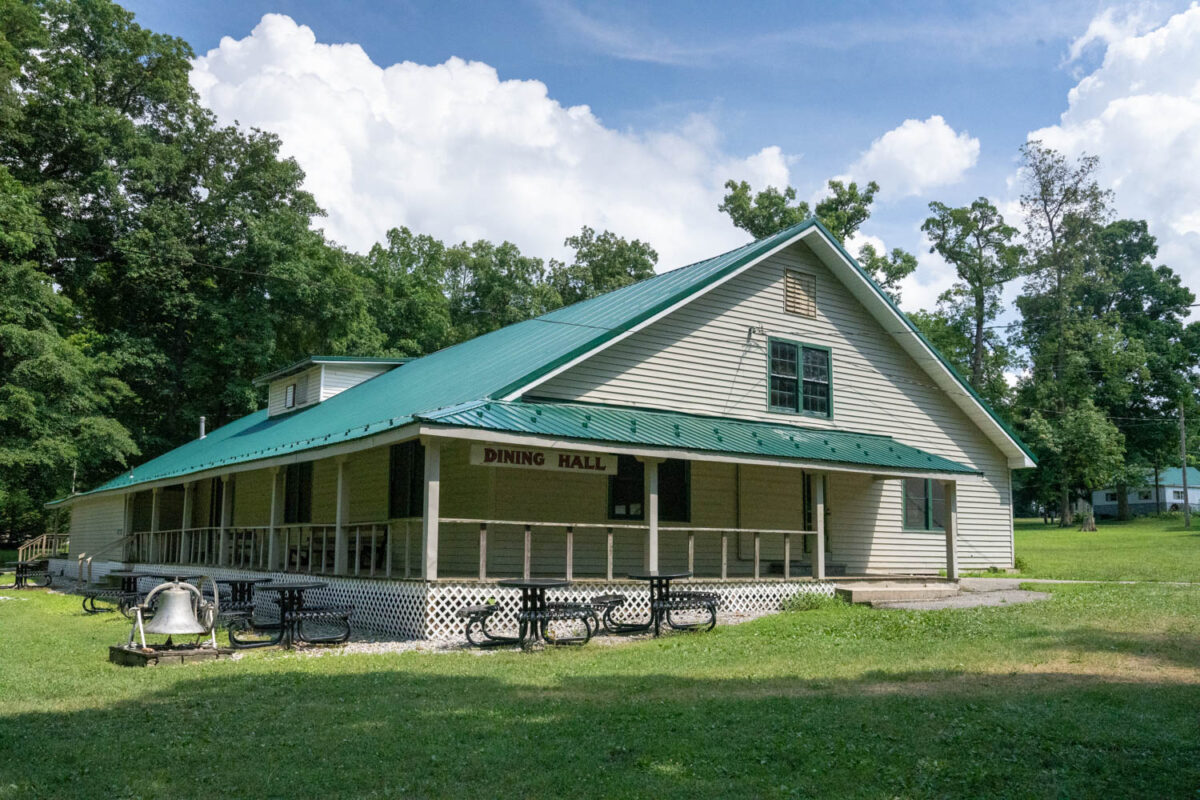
pixel 488 455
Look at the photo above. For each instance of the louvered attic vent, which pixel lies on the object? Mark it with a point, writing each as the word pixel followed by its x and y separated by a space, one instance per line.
pixel 799 293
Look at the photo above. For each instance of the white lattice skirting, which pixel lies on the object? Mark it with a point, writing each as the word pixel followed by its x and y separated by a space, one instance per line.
pixel 415 609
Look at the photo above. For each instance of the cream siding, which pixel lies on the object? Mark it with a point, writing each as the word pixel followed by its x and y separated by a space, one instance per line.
pixel 96 524
pixel 308 391
pixel 710 357
pixel 340 377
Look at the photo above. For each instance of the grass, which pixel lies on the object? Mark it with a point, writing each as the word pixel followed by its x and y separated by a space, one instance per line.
pixel 1145 549
pixel 1094 692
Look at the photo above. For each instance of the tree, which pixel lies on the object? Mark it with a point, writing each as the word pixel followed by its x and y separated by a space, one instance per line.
pixel 492 285
pixel 1150 304
pixel 408 301
pixel 1082 451
pixel 602 263
pixel 186 247
pixel 979 245
pixel 1068 348
pixel 842 213
pixel 950 332
pixel 56 396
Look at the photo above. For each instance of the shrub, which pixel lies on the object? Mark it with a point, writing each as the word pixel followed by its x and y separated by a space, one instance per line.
pixel 1020 564
pixel 810 601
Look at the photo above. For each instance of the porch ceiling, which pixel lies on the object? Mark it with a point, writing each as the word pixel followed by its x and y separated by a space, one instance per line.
pixel 670 429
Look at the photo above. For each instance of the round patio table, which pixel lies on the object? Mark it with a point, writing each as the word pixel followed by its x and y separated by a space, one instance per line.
pixel 532 619
pixel 660 595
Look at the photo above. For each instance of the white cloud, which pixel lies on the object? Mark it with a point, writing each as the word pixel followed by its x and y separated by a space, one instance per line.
pixel 453 151
pixel 1139 111
pixel 917 156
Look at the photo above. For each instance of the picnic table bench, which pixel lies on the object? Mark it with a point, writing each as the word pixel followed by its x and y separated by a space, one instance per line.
pixel 665 603
pixel 534 617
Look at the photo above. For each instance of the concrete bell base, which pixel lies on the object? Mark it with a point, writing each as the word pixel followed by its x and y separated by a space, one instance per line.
pixel 133 656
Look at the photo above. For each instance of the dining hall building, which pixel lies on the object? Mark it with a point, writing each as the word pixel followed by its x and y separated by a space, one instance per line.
pixel 767 420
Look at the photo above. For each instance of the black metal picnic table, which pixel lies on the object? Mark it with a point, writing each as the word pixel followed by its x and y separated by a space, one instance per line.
pixel 663 601
pixel 534 616
pixel 293 613
pixel 26 575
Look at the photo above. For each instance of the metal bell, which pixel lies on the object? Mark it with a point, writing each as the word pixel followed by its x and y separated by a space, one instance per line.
pixel 175 614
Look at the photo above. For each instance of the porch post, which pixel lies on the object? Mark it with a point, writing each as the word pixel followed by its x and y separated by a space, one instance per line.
pixel 651 509
pixel 951 520
pixel 818 557
pixel 277 478
pixel 341 517
pixel 431 510
pixel 185 522
pixel 155 521
pixel 226 519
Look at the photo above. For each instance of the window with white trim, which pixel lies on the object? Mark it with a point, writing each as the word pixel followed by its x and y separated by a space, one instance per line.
pixel 289 396
pixel 1177 494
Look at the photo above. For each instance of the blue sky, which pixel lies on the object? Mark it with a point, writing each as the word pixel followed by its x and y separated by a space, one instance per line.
pixel 767 91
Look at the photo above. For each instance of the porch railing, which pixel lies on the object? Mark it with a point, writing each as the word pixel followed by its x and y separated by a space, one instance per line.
pixel 309 549
pixel 567 530
pixel 47 545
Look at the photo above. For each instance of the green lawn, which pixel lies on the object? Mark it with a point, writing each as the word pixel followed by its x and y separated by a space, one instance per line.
pixel 1094 692
pixel 1145 549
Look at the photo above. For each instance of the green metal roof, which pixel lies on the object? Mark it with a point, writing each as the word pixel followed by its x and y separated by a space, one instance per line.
pixel 488 367
pixel 1174 477
pixel 693 432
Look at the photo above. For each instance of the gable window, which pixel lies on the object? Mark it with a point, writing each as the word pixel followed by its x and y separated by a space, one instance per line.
pixel 924 504
pixel 799 378
pixel 289 396
pixel 1110 497
pixel 406 480
pixel 627 490
pixel 297 493
pixel 799 294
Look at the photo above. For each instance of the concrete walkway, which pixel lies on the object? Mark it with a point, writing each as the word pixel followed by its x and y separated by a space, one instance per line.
pixel 999 592
pixel 970 598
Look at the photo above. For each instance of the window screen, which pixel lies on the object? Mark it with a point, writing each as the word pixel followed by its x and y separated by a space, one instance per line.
pixel 626 489
pixel 675 490
pixel 297 493
pixel 406 480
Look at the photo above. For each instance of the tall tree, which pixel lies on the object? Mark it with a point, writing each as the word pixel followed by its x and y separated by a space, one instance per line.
pixel 492 285
pixel 979 245
pixel 56 396
pixel 1150 304
pixel 186 247
pixel 602 262
pixel 408 300
pixel 1070 351
pixel 842 212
